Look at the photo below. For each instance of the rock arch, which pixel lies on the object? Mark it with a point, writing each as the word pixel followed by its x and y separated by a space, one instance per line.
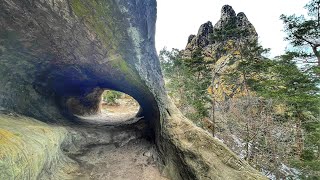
pixel 51 51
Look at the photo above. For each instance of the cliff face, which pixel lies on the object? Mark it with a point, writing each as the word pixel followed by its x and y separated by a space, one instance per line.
pixel 221 45
pixel 61 51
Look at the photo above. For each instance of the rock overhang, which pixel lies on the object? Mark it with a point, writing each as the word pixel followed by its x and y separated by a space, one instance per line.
pixel 54 50
pixel 77 48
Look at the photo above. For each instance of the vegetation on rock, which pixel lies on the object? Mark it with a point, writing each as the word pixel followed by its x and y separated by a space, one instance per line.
pixel 266 110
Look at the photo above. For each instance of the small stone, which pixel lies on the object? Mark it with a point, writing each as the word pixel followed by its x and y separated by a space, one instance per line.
pixel 147 154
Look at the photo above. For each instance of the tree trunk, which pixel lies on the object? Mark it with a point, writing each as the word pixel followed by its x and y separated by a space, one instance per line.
pixel 247 140
pixel 213 116
pixel 316 53
pixel 213 103
pixel 299 136
pixel 318 154
pixel 245 84
pixel 318 18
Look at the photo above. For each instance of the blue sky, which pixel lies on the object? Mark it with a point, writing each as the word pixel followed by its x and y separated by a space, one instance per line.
pixel 177 19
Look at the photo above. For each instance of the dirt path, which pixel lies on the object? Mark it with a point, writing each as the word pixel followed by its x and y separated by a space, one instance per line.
pixel 133 161
pixel 115 115
pixel 106 118
pixel 113 148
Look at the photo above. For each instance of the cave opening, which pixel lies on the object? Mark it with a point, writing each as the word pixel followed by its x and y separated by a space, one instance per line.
pixel 80 100
pixel 105 107
pixel 114 127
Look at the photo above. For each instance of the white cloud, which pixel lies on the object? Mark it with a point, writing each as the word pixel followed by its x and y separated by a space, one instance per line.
pixel 177 19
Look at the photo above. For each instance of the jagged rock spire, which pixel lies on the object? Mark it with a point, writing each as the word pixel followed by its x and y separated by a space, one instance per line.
pixel 227 12
pixel 228 16
pixel 204 33
pixel 205 29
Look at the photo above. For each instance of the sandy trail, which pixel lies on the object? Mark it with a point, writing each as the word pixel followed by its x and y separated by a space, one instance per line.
pixel 130 158
pixel 115 115
pixel 133 161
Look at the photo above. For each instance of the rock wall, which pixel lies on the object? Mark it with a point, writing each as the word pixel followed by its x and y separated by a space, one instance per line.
pixel 55 50
pixel 52 51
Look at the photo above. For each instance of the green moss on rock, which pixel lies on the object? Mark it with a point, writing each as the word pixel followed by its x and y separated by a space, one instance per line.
pixel 28 146
pixel 106 20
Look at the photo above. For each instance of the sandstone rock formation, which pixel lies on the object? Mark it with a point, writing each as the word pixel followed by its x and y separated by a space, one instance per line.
pixel 57 55
pixel 220 46
pixel 204 41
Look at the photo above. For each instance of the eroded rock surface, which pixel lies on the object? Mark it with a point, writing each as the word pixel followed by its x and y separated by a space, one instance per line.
pixel 56 51
pixel 228 20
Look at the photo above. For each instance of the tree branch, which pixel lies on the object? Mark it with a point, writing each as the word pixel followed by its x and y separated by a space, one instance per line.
pixel 312 44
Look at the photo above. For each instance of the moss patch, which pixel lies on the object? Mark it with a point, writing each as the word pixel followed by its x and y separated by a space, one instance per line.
pixel 108 23
pixel 28 146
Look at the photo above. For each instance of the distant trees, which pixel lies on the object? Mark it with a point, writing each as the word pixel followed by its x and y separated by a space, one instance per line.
pixel 187 80
pixel 110 96
pixel 297 90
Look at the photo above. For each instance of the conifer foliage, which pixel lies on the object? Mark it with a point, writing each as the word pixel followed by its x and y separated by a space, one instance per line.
pixel 266 110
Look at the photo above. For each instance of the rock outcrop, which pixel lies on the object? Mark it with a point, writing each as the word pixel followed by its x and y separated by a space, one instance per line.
pixel 221 45
pixel 229 19
pixel 53 52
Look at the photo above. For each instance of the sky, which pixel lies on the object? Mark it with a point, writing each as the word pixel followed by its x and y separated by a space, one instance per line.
pixel 177 19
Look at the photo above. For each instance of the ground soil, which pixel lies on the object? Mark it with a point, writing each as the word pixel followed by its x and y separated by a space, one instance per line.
pixel 133 159
pixel 123 112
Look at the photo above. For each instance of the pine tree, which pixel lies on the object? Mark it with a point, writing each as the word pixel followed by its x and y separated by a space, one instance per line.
pixel 304 32
pixel 188 81
pixel 294 88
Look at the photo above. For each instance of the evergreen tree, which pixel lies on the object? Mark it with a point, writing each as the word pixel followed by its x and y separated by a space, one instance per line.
pixel 304 33
pixel 188 81
pixel 299 92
